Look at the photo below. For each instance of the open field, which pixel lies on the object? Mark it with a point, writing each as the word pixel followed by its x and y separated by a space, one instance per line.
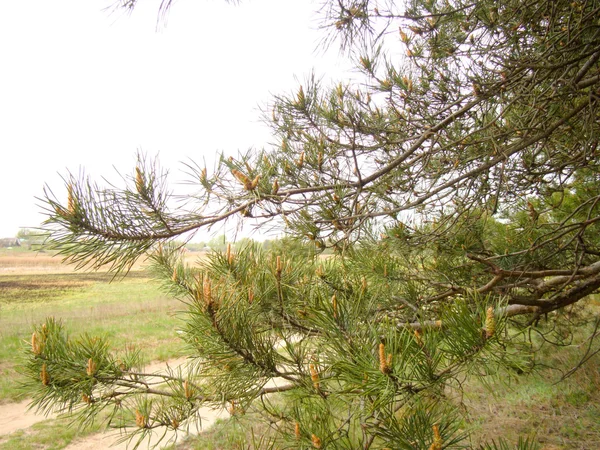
pixel 130 311
pixel 133 311
pixel 23 262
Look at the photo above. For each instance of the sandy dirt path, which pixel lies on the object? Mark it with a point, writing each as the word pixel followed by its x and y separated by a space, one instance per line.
pixel 16 416
pixel 106 440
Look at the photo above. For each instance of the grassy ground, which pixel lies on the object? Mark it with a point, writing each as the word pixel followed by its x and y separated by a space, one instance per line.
pixel 48 435
pixel 131 311
pixel 561 413
pixel 231 434
pixel 557 414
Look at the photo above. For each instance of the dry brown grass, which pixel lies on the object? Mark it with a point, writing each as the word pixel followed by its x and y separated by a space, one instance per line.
pixel 31 261
pixel 561 413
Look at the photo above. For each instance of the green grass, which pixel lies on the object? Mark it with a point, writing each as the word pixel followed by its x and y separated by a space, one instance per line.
pixel 130 312
pixel 561 414
pixel 556 414
pixel 42 287
pixel 134 312
pixel 13 250
pixel 53 434
pixel 239 433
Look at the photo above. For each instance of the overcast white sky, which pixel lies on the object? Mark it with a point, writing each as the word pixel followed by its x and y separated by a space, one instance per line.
pixel 81 88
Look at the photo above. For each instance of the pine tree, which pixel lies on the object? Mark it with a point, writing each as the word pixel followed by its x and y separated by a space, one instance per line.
pixel 457 186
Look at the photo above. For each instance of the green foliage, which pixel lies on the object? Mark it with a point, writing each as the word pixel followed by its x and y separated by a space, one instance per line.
pixel 217 243
pixel 456 186
pixel 247 313
pixel 33 238
pixel 523 444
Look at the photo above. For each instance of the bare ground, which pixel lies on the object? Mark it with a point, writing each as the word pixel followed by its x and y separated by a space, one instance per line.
pixel 18 416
